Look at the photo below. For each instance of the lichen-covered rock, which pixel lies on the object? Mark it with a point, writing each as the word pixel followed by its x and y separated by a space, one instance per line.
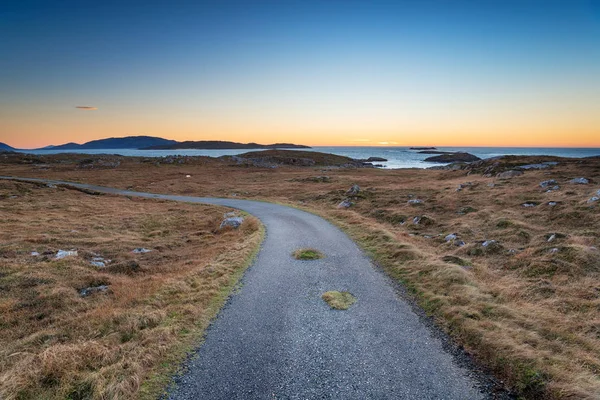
pixel 345 204
pixel 231 222
pixel 509 174
pixel 579 181
pixel 353 191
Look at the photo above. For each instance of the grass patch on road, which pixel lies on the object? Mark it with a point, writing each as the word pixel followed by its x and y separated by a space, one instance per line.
pixel 307 254
pixel 339 300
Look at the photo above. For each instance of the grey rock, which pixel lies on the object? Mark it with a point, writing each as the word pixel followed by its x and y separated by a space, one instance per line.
pixel 416 220
pixel 229 214
pixel 553 188
pixel 93 289
pixel 543 165
pixel 547 183
pixel 509 174
pixel 353 191
pixel 579 181
pixel 98 264
pixel 65 253
pixel 528 204
pixel 141 250
pixel 345 204
pixel 554 250
pixel 415 201
pixel 488 243
pixel 552 237
pixel 35 254
pixel 232 222
pixel 593 199
pixel 451 237
pixel 459 243
pixel 552 203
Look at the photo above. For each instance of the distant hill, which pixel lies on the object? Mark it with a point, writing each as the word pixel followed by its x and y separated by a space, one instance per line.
pixel 129 142
pixel 5 147
pixel 223 145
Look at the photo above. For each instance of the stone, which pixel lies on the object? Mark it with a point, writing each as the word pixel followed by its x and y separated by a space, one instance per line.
pixel 554 250
pixel 354 190
pixel 488 243
pixel 232 222
pixel 543 165
pixel 92 289
pixel 35 254
pixel 463 185
pixel 528 204
pixel 509 174
pixel 579 181
pixel 451 237
pixel 345 204
pixel 552 237
pixel 65 253
pixel 593 199
pixel 547 183
pixel 229 214
pixel 553 188
pixel 415 201
pixel 552 203
pixel 459 243
pixel 141 250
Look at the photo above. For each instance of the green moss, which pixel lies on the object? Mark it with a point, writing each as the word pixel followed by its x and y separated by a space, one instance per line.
pixel 307 254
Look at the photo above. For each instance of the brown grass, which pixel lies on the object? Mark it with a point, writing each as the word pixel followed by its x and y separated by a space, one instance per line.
pixel 338 300
pixel 126 342
pixel 527 308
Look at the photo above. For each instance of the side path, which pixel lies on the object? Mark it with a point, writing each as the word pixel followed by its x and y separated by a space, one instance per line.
pixel 276 338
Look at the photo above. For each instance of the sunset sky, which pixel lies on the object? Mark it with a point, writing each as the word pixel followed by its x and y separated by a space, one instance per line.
pixel 330 72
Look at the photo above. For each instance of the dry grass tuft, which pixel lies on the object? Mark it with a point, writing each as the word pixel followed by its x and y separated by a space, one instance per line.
pixel 339 300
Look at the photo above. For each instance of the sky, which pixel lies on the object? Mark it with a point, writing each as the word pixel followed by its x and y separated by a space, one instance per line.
pixel 329 72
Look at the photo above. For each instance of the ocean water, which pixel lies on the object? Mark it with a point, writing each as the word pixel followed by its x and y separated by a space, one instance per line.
pixel 398 157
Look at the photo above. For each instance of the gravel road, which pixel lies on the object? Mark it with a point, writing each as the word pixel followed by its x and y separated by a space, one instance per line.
pixel 277 339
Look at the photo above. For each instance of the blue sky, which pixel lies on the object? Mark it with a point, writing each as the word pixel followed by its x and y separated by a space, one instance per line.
pixel 328 72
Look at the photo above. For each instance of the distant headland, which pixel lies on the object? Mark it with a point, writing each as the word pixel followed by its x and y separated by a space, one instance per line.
pixel 157 143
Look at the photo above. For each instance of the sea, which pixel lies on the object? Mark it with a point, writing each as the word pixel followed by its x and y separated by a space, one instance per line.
pixel 397 157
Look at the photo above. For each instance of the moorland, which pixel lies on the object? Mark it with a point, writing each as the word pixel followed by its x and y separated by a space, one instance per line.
pixel 501 253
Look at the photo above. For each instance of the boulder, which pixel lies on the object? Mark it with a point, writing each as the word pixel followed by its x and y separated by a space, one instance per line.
pixel 415 201
pixel 509 174
pixel 140 250
pixel 593 199
pixel 231 222
pixel 543 165
pixel 92 289
pixel 345 204
pixel 579 181
pixel 65 253
pixel 353 191
pixel 453 157
pixel 547 183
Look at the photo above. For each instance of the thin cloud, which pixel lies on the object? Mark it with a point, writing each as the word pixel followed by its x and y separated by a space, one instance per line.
pixel 86 108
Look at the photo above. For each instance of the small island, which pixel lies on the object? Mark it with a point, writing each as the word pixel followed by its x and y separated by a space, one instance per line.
pixel 453 157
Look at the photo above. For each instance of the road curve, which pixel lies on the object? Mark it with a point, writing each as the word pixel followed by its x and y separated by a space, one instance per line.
pixel 276 338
